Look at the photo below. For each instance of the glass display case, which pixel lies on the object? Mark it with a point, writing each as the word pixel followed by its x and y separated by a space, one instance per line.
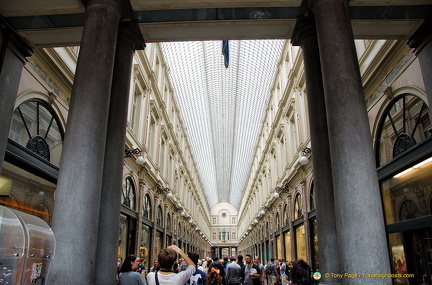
pixel 27 247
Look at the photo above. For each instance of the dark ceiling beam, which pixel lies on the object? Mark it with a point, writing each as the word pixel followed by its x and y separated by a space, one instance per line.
pixel 221 14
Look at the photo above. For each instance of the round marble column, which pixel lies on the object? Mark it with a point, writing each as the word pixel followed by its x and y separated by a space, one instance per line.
pixel 328 255
pixel 78 194
pixel 13 53
pixel 129 39
pixel 359 213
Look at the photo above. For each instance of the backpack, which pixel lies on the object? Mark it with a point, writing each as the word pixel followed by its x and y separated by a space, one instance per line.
pixel 287 270
pixel 269 269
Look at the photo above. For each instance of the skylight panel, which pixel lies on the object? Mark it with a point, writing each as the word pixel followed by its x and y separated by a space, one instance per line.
pixel 222 108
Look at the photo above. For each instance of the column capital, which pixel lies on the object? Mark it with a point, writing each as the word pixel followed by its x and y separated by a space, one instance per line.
pixel 304 29
pixel 123 7
pixel 311 3
pixel 129 34
pixel 305 25
pixel 421 37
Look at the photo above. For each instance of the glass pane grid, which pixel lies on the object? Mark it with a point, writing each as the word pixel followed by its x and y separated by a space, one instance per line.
pixel 222 109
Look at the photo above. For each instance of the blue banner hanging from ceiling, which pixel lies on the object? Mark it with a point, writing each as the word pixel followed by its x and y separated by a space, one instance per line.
pixel 225 53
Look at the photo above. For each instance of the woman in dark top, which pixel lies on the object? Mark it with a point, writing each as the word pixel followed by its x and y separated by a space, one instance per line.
pixel 127 274
pixel 300 273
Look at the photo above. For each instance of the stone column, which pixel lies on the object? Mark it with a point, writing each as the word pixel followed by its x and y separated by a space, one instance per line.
pixel 328 255
pixel 13 53
pixel 421 41
pixel 129 38
pixel 359 214
pixel 78 194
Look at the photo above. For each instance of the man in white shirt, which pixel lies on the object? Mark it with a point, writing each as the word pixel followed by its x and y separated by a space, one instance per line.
pixel 165 275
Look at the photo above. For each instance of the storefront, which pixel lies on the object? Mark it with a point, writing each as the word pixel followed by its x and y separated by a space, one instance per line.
pixel 146 232
pixel 299 229
pixel 29 175
pixel 313 230
pixel 145 244
pixel 128 220
pixel 404 151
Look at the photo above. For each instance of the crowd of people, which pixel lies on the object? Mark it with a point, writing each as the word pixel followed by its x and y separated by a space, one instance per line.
pixel 191 270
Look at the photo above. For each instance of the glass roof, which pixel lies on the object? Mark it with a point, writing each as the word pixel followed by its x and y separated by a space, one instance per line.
pixel 222 108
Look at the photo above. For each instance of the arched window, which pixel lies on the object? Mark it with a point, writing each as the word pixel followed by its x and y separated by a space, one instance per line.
pixel 168 223
pixel 43 211
pixel 286 215
pixel 409 210
pixel 147 207
pixel 405 122
pixel 312 197
pixel 36 127
pixel 159 216
pixel 278 225
pixel 298 212
pixel 128 193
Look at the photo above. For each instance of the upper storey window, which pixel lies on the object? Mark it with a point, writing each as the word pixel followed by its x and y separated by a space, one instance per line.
pixel 128 197
pixel 159 216
pixel 405 123
pixel 147 207
pixel 286 216
pixel 168 223
pixel 312 198
pixel 298 212
pixel 36 127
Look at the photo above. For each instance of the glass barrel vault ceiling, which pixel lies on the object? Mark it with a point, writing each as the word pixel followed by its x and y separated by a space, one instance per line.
pixel 222 108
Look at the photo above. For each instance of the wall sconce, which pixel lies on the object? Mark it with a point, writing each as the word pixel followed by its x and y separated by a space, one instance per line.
pixel 190 221
pixel 164 190
pixel 183 213
pixel 279 190
pixel 129 152
pixel 303 160
pixel 265 209
pixel 176 209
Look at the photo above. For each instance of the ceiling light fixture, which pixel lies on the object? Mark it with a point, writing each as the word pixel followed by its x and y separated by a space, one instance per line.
pixel 418 165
